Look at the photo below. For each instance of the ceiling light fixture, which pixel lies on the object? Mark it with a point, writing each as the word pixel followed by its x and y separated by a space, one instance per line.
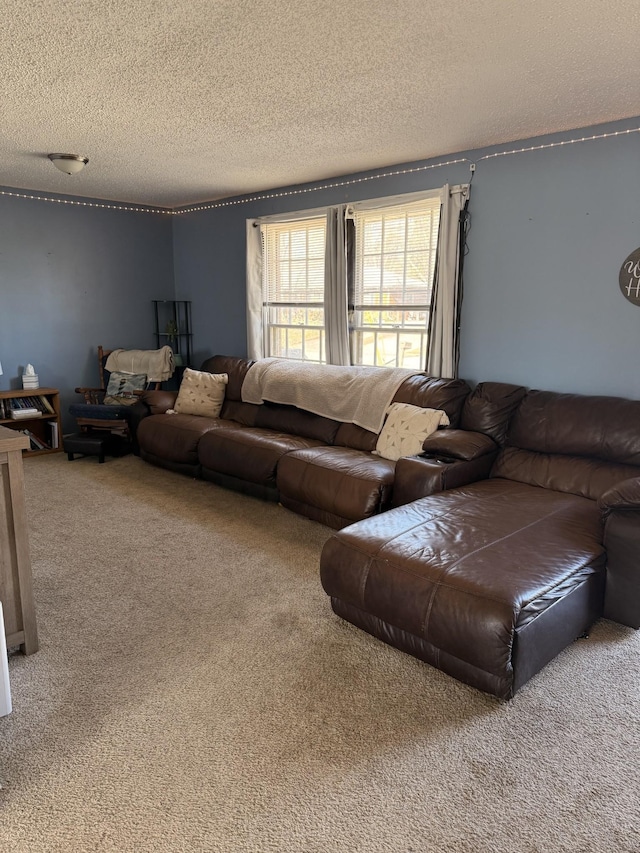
pixel 70 164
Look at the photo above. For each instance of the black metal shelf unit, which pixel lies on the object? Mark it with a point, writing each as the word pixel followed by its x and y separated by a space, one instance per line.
pixel 173 327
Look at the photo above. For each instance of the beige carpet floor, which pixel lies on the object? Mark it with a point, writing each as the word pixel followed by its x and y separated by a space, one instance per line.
pixel 195 692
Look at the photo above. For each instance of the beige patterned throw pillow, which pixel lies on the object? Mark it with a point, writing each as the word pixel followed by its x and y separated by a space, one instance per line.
pixel 405 428
pixel 201 393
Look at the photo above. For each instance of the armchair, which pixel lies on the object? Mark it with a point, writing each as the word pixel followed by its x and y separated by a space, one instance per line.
pixel 124 375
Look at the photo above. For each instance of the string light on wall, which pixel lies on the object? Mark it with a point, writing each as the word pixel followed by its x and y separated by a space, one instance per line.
pixel 333 185
pixel 412 170
pixel 318 188
pixel 546 145
pixel 102 205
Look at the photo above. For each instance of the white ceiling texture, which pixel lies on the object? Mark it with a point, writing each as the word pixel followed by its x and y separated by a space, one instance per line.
pixel 177 102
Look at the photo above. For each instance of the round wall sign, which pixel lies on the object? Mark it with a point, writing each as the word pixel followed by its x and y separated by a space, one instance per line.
pixel 630 277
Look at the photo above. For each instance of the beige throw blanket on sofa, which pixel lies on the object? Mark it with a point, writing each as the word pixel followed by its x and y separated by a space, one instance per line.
pixel 356 395
pixel 156 364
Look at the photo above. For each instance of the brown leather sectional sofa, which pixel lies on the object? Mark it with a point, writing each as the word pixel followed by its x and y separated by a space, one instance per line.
pixel 518 528
pixel 315 466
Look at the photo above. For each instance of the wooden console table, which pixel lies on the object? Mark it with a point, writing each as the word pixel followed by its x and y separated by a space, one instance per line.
pixel 16 589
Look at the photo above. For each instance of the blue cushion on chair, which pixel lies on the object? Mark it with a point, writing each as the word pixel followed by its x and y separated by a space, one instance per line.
pixel 100 412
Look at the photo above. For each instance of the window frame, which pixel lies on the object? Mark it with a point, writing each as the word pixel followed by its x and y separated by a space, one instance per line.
pixel 259 323
pixel 379 209
pixel 271 232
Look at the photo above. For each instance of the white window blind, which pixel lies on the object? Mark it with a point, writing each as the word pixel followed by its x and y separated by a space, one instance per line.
pixel 393 280
pixel 293 288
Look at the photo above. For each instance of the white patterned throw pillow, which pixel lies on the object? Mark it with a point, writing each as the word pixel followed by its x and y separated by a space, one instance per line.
pixel 201 393
pixel 122 387
pixel 405 428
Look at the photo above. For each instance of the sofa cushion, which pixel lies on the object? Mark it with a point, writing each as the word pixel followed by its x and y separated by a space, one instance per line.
pixel 250 454
pixel 242 413
pixel 351 435
pixel 576 475
pixel 236 369
pixel 174 437
pixel 406 428
pixel 434 393
pixel 490 407
pixel 578 425
pixel 339 482
pixel 201 393
pixel 296 421
pixel 571 442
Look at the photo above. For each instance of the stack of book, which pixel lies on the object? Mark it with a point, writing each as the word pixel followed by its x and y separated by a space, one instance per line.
pixel 35 442
pixel 35 405
pixel 21 414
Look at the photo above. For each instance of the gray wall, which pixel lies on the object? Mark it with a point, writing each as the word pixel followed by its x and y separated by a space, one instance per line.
pixel 209 260
pixel 71 278
pixel 542 306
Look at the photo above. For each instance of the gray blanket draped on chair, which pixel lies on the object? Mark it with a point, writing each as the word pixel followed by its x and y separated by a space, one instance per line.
pixel 157 364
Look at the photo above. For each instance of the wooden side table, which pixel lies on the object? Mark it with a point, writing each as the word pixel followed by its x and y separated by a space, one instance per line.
pixel 16 588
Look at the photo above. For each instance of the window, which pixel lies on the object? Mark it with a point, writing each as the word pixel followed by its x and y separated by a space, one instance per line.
pixel 395 252
pixel 293 289
pixel 379 303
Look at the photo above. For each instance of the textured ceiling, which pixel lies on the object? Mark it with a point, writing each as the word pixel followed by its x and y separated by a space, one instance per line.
pixel 182 101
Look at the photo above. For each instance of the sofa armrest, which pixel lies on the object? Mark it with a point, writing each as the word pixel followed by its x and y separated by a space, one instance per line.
pixel 458 444
pixel 620 507
pixel 622 497
pixel 419 476
pixel 148 403
pixel 158 402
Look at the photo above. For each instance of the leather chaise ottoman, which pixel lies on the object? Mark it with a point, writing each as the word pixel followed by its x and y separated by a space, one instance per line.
pixel 488 582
